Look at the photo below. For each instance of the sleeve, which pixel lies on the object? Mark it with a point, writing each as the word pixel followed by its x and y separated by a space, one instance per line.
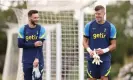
pixel 86 30
pixel 113 32
pixel 21 42
pixel 42 35
pixel 21 32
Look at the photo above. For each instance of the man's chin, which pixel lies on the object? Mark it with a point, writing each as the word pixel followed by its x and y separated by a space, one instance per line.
pixel 98 20
pixel 34 23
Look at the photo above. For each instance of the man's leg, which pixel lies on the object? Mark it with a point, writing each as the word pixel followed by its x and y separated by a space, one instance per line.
pixel 104 78
pixel 27 69
pixel 105 70
pixel 92 79
pixel 93 71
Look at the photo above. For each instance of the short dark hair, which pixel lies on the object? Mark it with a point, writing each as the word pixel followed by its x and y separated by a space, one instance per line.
pixel 32 12
pixel 99 7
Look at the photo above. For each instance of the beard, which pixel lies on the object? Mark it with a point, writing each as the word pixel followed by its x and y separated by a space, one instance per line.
pixel 33 22
pixel 99 20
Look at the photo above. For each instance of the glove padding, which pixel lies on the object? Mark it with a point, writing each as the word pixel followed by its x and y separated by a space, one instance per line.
pixel 96 59
pixel 36 73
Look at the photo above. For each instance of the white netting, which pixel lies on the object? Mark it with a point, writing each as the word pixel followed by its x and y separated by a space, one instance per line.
pixel 69 43
pixel 70 52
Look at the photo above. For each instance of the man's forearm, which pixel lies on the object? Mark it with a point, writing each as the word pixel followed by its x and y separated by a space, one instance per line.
pixel 112 47
pixel 22 44
pixel 85 44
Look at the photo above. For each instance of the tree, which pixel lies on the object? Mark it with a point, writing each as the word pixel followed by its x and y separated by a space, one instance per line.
pixel 117 14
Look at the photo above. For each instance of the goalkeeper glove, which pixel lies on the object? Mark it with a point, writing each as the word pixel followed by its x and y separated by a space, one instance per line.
pixel 96 59
pixel 36 73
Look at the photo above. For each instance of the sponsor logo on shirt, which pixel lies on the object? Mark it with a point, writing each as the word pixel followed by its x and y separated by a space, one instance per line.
pixel 32 37
pixel 99 35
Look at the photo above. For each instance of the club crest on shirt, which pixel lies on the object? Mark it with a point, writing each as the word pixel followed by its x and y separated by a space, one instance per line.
pixel 27 33
pixel 93 28
pixel 105 29
pixel 37 32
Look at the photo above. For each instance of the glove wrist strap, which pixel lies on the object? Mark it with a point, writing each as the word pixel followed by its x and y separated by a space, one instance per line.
pixel 105 50
pixel 88 49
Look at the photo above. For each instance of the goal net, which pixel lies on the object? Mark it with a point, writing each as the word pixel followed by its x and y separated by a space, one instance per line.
pixel 64 21
pixel 70 15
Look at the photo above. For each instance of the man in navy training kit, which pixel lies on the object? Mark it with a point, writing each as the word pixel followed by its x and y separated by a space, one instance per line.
pixel 30 38
pixel 99 37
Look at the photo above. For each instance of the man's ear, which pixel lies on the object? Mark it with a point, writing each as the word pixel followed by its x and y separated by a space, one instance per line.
pixel 104 12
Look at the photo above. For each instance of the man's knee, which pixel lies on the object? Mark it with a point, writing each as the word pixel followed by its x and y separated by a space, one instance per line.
pixel 104 78
pixel 91 78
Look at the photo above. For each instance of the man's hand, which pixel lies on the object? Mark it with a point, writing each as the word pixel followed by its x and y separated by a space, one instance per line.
pixel 96 59
pixel 99 51
pixel 90 52
pixel 36 62
pixel 38 43
pixel 95 55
